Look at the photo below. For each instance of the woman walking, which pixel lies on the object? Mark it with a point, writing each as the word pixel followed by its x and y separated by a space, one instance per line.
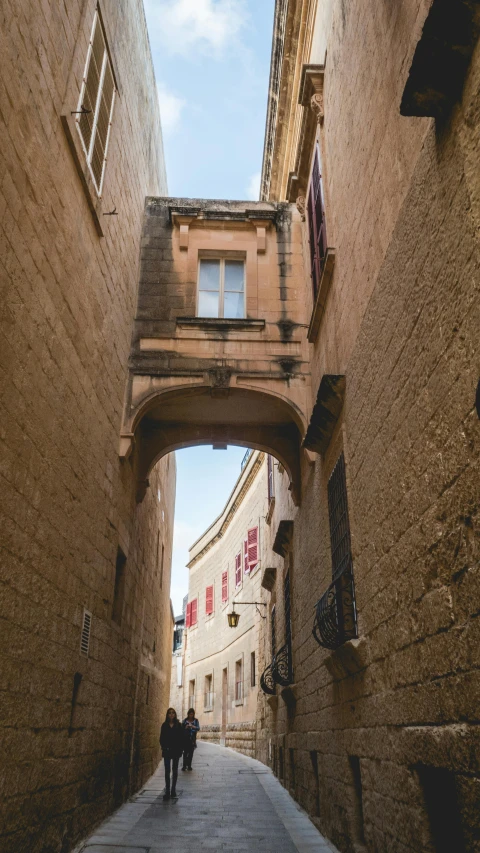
pixel 171 741
pixel 190 728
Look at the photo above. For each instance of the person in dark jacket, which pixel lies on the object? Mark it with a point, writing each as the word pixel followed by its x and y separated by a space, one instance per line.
pixel 171 741
pixel 190 728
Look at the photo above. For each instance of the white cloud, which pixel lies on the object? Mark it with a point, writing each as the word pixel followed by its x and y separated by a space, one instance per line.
pixel 171 107
pixel 183 25
pixel 253 188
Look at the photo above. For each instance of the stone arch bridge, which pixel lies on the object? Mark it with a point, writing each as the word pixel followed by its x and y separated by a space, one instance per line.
pixel 216 380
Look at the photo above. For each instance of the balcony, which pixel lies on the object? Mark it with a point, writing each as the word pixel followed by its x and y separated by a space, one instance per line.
pixel 335 612
pixel 267 682
pixel 282 666
pixel 280 671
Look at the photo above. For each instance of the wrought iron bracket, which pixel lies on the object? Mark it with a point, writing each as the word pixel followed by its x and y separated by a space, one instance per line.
pixel 335 612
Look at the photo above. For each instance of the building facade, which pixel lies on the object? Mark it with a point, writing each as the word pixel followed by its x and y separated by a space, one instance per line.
pixel 370 132
pixel 176 683
pixel 85 574
pixel 222 663
pixel 349 352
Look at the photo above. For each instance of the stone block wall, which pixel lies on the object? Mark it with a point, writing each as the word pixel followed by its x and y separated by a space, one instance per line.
pixel 78 733
pixel 381 743
pixel 239 736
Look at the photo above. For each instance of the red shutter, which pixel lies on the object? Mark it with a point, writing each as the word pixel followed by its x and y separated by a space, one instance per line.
pixel 238 569
pixel 252 539
pixel 209 600
pixel 246 567
pixel 193 614
pixel 188 620
pixel 224 586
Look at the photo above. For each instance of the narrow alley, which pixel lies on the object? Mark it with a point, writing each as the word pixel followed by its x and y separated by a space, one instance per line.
pixel 229 802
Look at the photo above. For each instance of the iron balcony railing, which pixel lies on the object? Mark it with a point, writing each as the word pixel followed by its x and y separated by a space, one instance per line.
pixel 280 671
pixel 336 613
pixel 267 682
pixel 282 666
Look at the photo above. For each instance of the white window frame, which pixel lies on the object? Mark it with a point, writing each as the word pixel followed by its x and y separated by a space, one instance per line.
pixel 106 59
pixel 221 291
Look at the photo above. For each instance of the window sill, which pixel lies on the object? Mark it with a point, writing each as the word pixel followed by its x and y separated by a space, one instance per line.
pixel 219 324
pixel 208 710
pixel 94 201
pixel 238 702
pixel 322 294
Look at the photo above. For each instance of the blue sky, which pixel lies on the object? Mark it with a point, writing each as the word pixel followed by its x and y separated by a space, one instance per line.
pixel 212 62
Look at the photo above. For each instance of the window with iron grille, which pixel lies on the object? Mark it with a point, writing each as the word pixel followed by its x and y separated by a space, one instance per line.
pixel 288 617
pixel 316 223
pixel 273 630
pixel 338 517
pixel 95 106
pixel 238 680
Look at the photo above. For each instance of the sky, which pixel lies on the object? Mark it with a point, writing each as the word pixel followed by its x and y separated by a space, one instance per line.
pixel 212 64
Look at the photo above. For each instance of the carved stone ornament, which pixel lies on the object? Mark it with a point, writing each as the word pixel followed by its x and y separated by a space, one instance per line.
pixel 316 103
pixel 301 202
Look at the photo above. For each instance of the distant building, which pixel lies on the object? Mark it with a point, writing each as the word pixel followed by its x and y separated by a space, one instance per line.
pixel 176 687
pixel 222 664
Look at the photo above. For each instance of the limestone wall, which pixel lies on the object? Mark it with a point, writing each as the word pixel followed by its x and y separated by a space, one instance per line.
pixel 78 733
pixel 381 743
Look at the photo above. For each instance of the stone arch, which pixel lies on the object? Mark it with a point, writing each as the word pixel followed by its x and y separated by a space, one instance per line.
pixel 185 416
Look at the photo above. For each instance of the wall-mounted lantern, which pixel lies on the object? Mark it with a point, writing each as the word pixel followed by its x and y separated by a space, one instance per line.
pixel 233 617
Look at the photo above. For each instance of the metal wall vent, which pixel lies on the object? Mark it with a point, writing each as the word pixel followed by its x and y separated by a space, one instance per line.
pixel 85 637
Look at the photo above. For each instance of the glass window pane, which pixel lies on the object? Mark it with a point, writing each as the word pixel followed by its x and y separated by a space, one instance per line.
pixel 207 304
pixel 233 305
pixel 234 275
pixel 209 275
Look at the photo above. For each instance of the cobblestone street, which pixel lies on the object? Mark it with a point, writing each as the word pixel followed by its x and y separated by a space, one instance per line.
pixel 229 802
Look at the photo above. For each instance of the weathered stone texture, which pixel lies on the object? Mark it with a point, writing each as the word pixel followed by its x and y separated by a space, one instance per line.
pixel 401 323
pixel 68 301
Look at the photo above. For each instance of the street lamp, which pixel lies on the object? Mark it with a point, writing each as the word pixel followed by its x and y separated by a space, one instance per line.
pixel 234 617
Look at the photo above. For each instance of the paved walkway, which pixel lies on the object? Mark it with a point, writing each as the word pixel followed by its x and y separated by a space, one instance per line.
pixel 227 803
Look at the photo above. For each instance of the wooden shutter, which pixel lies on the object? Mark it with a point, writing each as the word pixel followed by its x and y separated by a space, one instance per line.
pixel 316 223
pixel 99 151
pixel 93 72
pixel 96 104
pixel 246 567
pixel 209 600
pixel 252 545
pixel 270 477
pixel 238 569
pixel 188 619
pixel 224 586
pixel 193 616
